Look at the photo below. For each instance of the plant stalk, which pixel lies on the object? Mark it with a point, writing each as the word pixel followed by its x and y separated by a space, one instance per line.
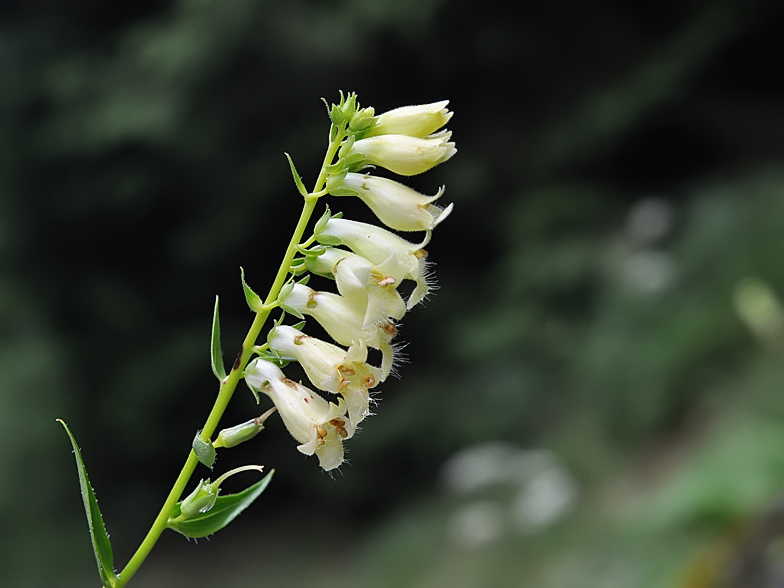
pixel 229 384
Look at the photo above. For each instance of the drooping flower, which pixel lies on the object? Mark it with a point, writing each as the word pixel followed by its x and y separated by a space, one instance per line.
pixel 318 425
pixel 414 121
pixel 403 154
pixel 331 368
pixel 396 205
pixel 378 245
pixel 362 283
pixel 343 320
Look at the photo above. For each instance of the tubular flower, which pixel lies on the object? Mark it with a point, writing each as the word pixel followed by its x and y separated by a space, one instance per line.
pixel 396 205
pixel 331 368
pixel 378 245
pixel 318 425
pixel 362 283
pixel 343 321
pixel 414 121
pixel 403 154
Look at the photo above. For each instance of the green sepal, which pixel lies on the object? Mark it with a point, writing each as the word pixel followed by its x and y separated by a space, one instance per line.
pixel 285 290
pixel 204 450
pixel 102 547
pixel 273 356
pixel 329 240
pixel 299 326
pixel 336 113
pixel 298 266
pixel 253 299
pixel 362 121
pixel 201 500
pixel 291 310
pixel 216 355
pixel 224 511
pixel 345 149
pixel 344 192
pixel 355 161
pixel 297 179
pixel 314 251
pixel 322 222
pixel 336 168
pixel 304 281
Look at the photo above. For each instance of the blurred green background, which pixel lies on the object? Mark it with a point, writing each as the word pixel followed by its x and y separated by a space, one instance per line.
pixel 595 395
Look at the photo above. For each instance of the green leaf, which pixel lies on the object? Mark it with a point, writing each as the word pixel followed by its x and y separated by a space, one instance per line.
pixel 225 510
pixel 101 545
pixel 204 450
pixel 217 357
pixel 297 179
pixel 253 299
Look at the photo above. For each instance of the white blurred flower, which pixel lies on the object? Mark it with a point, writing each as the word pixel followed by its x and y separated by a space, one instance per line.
pixel 318 425
pixel 396 205
pixel 414 121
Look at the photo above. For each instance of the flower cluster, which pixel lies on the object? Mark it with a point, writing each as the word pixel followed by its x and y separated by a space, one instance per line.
pixel 368 263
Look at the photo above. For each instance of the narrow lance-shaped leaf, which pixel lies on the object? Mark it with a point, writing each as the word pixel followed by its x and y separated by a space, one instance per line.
pixel 217 356
pixel 101 545
pixel 253 299
pixel 297 179
pixel 226 509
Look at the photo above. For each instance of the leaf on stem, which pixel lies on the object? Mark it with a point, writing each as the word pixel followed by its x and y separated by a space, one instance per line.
pixel 217 356
pixel 252 298
pixel 204 450
pixel 225 510
pixel 297 179
pixel 101 545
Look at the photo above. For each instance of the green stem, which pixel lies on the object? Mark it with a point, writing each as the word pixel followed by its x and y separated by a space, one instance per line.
pixel 229 384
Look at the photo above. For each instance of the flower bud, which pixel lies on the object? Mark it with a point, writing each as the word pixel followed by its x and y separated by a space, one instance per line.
pixel 405 155
pixel 342 113
pixel 414 121
pixel 204 497
pixel 395 205
pixel 362 120
pixel 237 434
pixel 200 500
